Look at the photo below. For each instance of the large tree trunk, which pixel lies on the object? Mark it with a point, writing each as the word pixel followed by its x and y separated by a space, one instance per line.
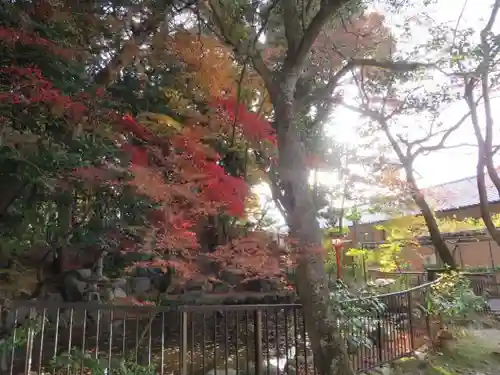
pixel 312 282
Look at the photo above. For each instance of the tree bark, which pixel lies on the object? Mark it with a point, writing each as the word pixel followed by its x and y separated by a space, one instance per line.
pixel 407 161
pixel 432 225
pixel 126 55
pixel 483 160
pixel 483 199
pixel 312 281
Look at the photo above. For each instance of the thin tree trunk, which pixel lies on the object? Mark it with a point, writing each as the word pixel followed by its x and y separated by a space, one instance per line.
pixel 312 281
pixel 483 201
pixel 432 225
pixel 419 199
pixel 484 70
pixel 483 160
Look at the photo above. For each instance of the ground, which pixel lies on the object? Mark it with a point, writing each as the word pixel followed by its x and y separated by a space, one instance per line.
pixel 474 351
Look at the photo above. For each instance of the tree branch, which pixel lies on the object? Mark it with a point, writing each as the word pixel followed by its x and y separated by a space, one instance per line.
pixel 296 58
pixel 240 48
pixel 324 93
pixel 291 21
pixel 440 144
pixel 126 55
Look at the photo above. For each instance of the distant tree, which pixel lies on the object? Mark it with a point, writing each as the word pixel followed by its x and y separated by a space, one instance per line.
pixel 391 101
pixel 475 66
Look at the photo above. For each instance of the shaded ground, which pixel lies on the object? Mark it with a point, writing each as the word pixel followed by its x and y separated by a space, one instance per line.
pixel 475 351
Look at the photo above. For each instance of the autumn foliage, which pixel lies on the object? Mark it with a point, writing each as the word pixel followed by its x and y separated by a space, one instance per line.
pixel 179 171
pixel 197 186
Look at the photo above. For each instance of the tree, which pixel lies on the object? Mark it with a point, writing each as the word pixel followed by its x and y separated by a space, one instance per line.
pixel 476 67
pixel 60 194
pixel 408 231
pixel 103 170
pixel 295 34
pixel 388 102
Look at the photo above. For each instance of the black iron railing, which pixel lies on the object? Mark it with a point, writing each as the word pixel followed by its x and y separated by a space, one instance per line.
pixel 482 283
pixel 56 338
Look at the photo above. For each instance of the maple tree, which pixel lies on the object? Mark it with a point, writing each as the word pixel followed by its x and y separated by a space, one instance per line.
pixel 114 167
pixel 138 142
pixel 58 192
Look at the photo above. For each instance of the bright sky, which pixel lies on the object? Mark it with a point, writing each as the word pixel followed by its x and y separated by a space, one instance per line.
pixel 446 165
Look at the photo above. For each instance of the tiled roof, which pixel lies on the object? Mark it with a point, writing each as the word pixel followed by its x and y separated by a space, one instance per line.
pixel 448 196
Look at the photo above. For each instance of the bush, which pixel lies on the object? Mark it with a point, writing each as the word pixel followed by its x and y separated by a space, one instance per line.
pixel 452 298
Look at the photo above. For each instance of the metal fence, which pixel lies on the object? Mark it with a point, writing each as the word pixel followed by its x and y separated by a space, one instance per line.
pixel 409 279
pixel 482 283
pixel 46 337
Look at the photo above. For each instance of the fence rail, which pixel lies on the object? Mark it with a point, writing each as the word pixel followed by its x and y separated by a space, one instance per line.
pixel 482 283
pixel 56 338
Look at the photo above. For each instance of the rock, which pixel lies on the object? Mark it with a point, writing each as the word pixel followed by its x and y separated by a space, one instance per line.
pixel 177 288
pixel 141 285
pixel 76 287
pixel 260 285
pixel 119 293
pixel 196 284
pixel 207 264
pixel 385 370
pixel 232 276
pixel 93 297
pixel 107 294
pixel 421 354
pixel 220 287
pixel 162 281
pixel 85 273
pixel 119 283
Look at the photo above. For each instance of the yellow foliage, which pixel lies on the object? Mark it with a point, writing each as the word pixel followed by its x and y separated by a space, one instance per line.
pixel 252 204
pixel 176 99
pixel 405 230
pixel 211 62
pixel 159 123
pixel 409 227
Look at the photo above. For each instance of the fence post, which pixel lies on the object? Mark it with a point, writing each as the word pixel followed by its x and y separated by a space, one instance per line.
pixel 379 338
pixel 258 342
pixel 410 321
pixel 184 316
pixel 427 315
pixel 29 341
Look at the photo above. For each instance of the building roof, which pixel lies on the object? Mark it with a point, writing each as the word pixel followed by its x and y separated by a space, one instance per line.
pixel 444 197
